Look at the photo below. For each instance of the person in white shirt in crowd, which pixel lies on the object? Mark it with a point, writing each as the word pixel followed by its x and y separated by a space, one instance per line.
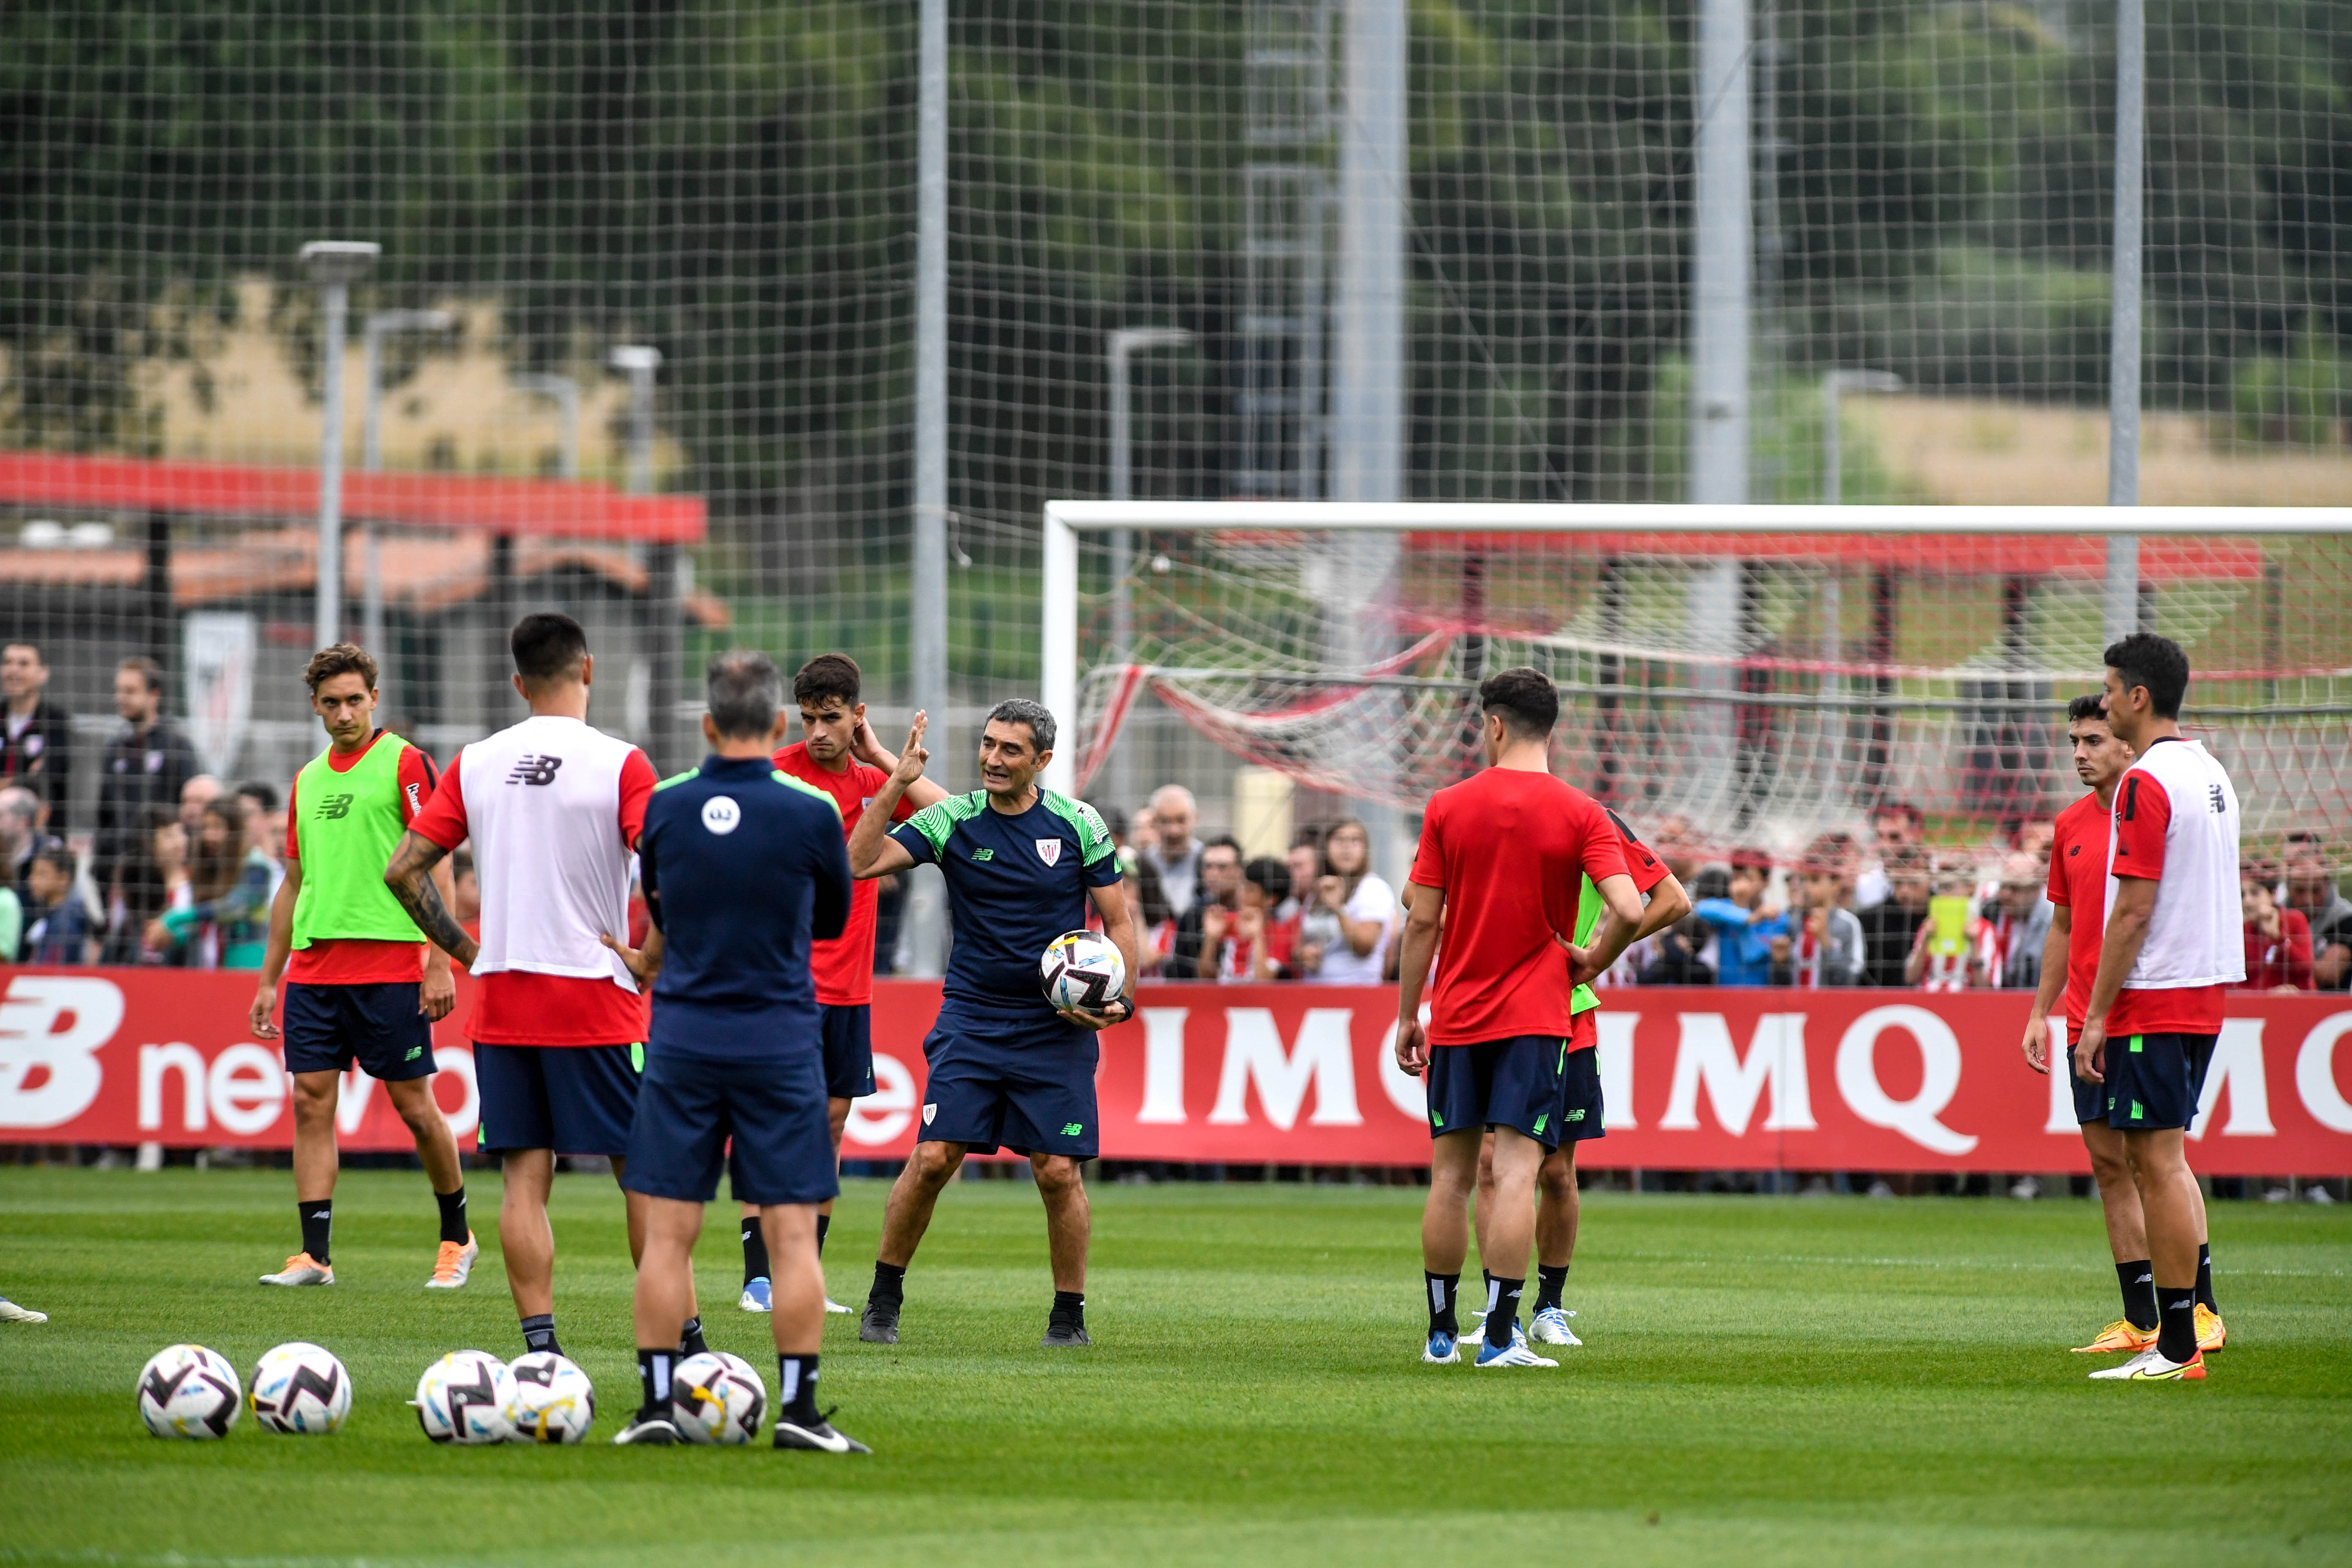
pixel 1825 946
pixel 1170 848
pixel 1366 907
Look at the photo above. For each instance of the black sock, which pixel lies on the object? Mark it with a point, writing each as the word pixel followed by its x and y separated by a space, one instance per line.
pixel 796 1389
pixel 1550 1283
pixel 2176 1334
pixel 1502 1308
pixel 539 1334
pixel 889 1282
pixel 823 1224
pixel 755 1250
pixel 2138 1281
pixel 318 1227
pixel 453 1216
pixel 689 1338
pixel 2205 1278
pixel 653 1376
pixel 1069 1306
pixel 1440 1289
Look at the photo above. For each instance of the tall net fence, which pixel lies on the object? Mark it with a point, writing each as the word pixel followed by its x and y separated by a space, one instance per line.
pixel 734 185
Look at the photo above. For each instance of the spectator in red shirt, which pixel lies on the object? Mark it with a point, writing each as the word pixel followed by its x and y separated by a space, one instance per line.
pixel 2278 941
pixel 1259 945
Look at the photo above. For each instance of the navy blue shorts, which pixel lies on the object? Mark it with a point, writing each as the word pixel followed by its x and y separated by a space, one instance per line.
pixel 772 1108
pixel 2154 1080
pixel 328 1028
pixel 1513 1083
pixel 1579 1098
pixel 848 1051
pixel 1019 1084
pixel 574 1099
pixel 2090 1099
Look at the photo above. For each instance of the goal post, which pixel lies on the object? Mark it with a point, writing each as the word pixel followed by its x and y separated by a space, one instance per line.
pixel 1768 670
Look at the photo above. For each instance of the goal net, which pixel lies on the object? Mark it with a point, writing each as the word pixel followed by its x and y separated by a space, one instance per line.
pixel 1771 672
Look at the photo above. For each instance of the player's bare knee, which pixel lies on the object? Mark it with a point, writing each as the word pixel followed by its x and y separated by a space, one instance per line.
pixel 1057 1174
pixel 933 1165
pixel 314 1096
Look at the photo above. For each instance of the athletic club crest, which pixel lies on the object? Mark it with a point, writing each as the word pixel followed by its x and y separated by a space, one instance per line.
pixel 1049 850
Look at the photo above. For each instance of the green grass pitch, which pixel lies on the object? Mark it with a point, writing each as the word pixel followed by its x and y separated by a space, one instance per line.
pixel 1764 1380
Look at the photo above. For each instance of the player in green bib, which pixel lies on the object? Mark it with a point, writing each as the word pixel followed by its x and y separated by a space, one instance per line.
pixel 362 983
pixel 1580 1108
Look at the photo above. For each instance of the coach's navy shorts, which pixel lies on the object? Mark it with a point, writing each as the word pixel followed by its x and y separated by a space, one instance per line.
pixel 574 1099
pixel 1513 1083
pixel 2154 1080
pixel 1023 1084
pixel 328 1028
pixel 848 1051
pixel 772 1108
pixel 2090 1099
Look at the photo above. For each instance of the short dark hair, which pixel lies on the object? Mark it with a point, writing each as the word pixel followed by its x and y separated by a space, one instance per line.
pixel 1271 876
pixel 2091 707
pixel 29 646
pixel 1020 711
pixel 146 668
pixel 827 674
pixel 262 793
pixel 338 658
pixel 1223 841
pixel 1525 699
pixel 58 858
pixel 2156 662
pixel 547 647
pixel 745 692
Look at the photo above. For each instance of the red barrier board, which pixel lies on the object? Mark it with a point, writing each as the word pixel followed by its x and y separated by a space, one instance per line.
pixel 1695 1079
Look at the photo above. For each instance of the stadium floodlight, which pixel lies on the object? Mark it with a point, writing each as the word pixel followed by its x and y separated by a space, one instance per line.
pixel 1834 386
pixel 1982 621
pixel 379 326
pixel 565 392
pixel 1121 346
pixel 638 362
pixel 335 265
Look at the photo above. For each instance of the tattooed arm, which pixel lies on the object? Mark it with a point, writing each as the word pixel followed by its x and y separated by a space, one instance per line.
pixel 411 877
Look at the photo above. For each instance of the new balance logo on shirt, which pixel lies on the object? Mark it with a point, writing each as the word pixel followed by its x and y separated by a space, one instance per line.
pixel 334 807
pixel 534 769
pixel 2214 798
pixel 983 854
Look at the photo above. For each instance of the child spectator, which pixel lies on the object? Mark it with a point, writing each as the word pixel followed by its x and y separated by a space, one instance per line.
pixel 1944 952
pixel 1826 949
pixel 1744 924
pixel 56 924
pixel 1258 945
pixel 226 924
pixel 2278 941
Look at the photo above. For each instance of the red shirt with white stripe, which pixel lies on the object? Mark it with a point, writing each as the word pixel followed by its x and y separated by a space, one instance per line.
pixel 361 960
pixel 843 968
pixel 516 1006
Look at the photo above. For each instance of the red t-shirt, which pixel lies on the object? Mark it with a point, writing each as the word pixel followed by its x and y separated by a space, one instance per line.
pixel 2078 882
pixel 844 967
pixel 2139 852
pixel 2283 961
pixel 519 1007
pixel 1511 849
pixel 362 960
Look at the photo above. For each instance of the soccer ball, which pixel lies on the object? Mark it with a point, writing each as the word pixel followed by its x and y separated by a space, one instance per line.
pixel 1082 973
pixel 300 1390
pixel 715 1397
pixel 188 1391
pixel 552 1401
pixel 463 1398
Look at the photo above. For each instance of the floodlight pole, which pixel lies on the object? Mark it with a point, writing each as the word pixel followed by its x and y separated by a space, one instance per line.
pixel 565 392
pixel 378 327
pixel 2122 595
pixel 335 265
pixel 1123 344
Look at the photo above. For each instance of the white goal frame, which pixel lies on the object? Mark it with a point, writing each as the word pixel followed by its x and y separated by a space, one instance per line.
pixel 1066 519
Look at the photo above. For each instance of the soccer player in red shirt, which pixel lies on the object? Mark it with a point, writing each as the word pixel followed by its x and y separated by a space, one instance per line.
pixel 2172 943
pixel 2070 959
pixel 839 754
pixel 1502 862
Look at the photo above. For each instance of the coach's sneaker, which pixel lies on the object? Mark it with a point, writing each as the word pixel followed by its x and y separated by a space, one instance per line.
pixel 1065 1333
pixel 880 1326
pixel 1516 1353
pixel 302 1270
pixel 832 1306
pixel 2118 1338
pixel 1442 1350
pixel 652 1431
pixel 12 1313
pixel 759 1296
pixel 819 1438
pixel 2149 1366
pixel 2212 1332
pixel 455 1264
pixel 1551 1328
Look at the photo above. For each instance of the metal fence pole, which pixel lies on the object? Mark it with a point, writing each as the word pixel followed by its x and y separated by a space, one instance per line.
pixel 2122 595
pixel 926 910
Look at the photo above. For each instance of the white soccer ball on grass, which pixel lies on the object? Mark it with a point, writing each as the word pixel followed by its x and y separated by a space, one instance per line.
pixel 552 1401
pixel 715 1397
pixel 188 1391
pixel 299 1389
pixel 463 1398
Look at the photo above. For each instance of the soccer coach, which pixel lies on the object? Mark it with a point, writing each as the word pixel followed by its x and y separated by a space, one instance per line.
pixel 743 867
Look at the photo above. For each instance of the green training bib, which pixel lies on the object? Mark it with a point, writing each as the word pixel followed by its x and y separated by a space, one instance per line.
pixel 346 828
